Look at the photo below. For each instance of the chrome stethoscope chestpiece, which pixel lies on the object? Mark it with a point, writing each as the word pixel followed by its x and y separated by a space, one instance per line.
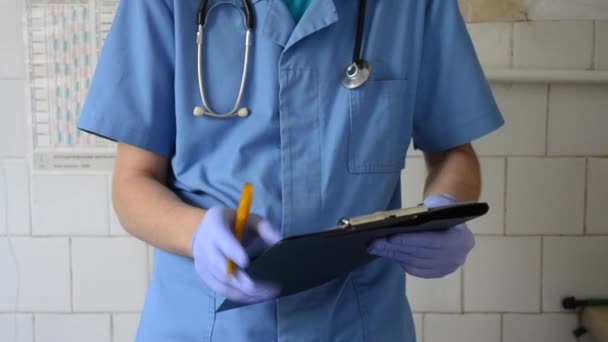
pixel 357 73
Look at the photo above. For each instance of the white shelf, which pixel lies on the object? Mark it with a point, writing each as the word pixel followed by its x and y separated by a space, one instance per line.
pixel 546 76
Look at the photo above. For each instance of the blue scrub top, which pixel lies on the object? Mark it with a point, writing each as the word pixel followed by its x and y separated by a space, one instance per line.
pixel 314 150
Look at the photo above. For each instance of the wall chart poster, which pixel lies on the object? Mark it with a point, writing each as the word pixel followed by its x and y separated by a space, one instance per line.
pixel 63 41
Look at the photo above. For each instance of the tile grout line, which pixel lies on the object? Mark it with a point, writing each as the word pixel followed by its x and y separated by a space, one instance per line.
pixel 595 65
pixel 71 286
pixel 512 47
pixel 109 204
pixel 504 198
pixel 547 112
pixel 514 60
pixel 111 327
pixel 462 290
pixel 542 244
pixel 422 319
pixel 33 327
pixel 502 329
pixel 585 195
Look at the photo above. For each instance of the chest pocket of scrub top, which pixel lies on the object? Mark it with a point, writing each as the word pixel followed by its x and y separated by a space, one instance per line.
pixel 379 129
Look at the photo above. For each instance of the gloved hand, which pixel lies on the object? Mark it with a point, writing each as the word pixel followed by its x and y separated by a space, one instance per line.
pixel 428 254
pixel 214 243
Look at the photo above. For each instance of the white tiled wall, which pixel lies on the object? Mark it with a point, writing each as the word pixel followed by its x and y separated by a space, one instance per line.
pixel 70 273
pixel 601 39
pixel 554 45
pixel 72 328
pixel 535 327
pixel 462 328
pixel 17 328
pixel 545 176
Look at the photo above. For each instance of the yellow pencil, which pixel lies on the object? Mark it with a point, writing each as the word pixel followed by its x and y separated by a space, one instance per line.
pixel 242 214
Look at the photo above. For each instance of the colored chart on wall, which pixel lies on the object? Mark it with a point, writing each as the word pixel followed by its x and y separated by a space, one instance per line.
pixel 63 41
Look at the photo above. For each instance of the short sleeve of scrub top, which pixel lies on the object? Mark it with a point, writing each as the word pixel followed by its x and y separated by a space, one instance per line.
pixel 454 102
pixel 131 97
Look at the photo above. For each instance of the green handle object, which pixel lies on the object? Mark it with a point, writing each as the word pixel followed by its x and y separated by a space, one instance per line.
pixel 580 331
pixel 573 303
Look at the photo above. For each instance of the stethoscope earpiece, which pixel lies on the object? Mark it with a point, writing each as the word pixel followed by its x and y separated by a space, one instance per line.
pixel 198 111
pixel 243 112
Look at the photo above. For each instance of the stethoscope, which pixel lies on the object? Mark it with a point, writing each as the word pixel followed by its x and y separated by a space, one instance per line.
pixel 357 73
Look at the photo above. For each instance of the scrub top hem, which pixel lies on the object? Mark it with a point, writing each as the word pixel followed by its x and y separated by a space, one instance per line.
pixel 475 129
pixel 123 133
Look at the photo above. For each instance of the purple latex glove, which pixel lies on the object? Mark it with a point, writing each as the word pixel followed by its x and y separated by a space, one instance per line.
pixel 214 243
pixel 428 254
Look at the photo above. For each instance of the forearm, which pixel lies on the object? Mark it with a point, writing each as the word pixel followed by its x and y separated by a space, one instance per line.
pixel 455 172
pixel 148 210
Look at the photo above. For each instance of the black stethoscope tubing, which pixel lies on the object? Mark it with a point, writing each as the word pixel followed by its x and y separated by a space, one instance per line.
pixel 356 74
pixel 202 15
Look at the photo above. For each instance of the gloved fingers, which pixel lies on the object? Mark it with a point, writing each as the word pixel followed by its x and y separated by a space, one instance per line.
pixel 259 227
pixel 227 243
pixel 428 240
pixel 404 257
pixel 430 273
pixel 224 288
pixel 256 289
pixel 439 200
pixel 411 252
pixel 425 273
pixel 239 281
pixel 268 233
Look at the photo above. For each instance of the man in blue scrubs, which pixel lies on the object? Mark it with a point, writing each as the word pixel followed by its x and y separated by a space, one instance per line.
pixel 314 150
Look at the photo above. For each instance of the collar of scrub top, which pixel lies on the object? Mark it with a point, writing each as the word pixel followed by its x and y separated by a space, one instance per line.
pixel 356 74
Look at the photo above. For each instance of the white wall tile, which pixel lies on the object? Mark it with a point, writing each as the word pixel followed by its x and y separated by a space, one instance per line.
pixel 492 43
pixel 12 114
pixel 435 295
pixel 573 266
pixel 72 328
pixel 502 274
pixel 412 182
pixel 536 328
pixel 11 37
pixel 577 120
pixel 109 274
pixel 545 195
pixel 70 204
pixel 41 269
pixel 150 250
pixel 15 198
pixel 553 44
pixel 492 192
pixel 124 327
pixel 601 48
pixel 16 328
pixel 567 9
pixel 462 328
pixel 418 326
pixel 115 226
pixel 524 107
pixel 411 152
pixel 597 196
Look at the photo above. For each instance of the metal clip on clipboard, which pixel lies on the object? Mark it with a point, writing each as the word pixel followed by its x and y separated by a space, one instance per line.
pixel 354 222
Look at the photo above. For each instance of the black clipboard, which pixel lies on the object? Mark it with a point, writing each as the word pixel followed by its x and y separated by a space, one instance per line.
pixel 303 262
